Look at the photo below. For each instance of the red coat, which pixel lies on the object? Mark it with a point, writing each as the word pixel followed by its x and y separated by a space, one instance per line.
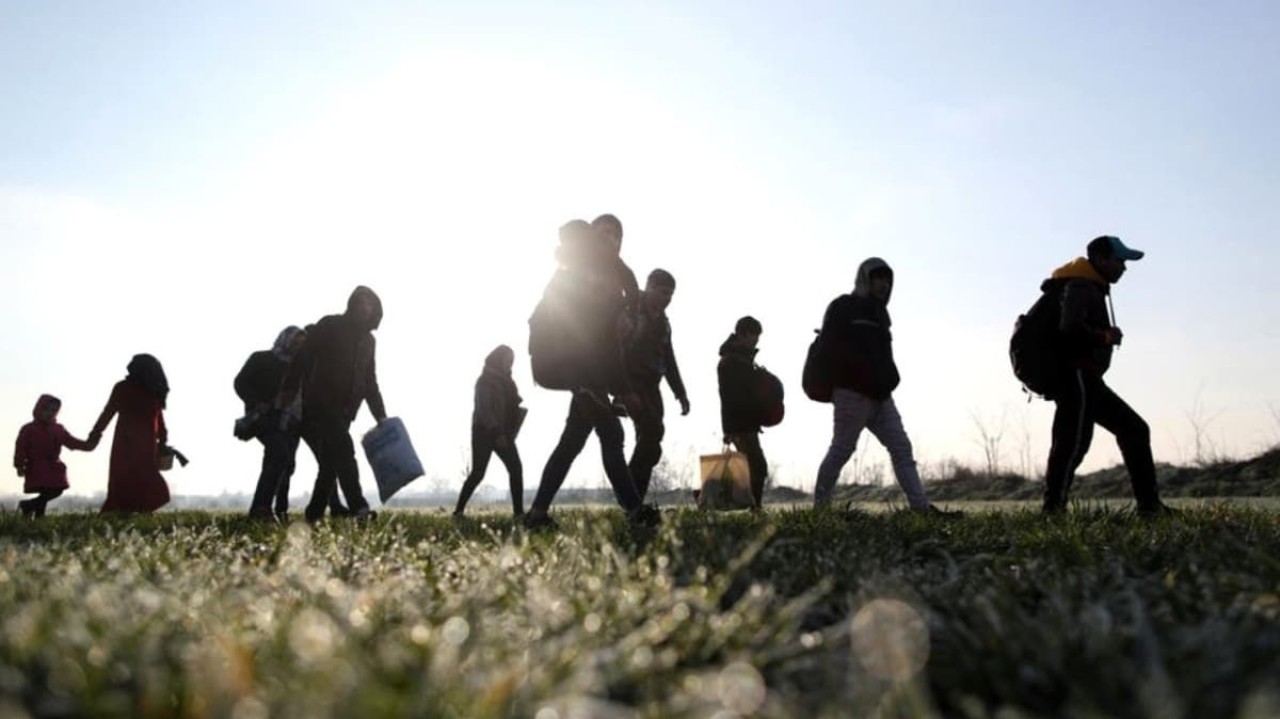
pixel 37 453
pixel 134 483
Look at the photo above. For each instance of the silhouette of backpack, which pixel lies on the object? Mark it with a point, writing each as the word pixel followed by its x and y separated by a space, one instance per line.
pixel 1034 348
pixel 816 377
pixel 768 395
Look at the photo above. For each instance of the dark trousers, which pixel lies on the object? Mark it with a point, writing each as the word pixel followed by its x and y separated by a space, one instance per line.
pixel 585 417
pixel 1084 400
pixel 37 504
pixel 649 432
pixel 279 449
pixel 749 444
pixel 329 438
pixel 483 447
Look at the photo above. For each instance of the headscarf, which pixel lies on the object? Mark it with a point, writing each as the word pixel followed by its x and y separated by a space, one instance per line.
pixel 862 285
pixel 281 347
pixel 146 371
pixel 44 401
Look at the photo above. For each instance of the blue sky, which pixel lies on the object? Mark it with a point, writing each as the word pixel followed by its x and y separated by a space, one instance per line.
pixel 187 178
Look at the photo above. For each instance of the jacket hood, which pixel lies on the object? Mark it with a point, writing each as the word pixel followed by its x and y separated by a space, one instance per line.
pixel 281 346
pixel 862 285
pixel 376 319
pixel 496 360
pixel 730 347
pixel 1078 269
pixel 44 401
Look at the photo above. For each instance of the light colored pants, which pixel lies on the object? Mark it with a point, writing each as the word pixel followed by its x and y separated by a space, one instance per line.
pixel 854 412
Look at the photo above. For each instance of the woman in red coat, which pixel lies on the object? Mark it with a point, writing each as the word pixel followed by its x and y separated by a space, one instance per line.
pixel 134 483
pixel 36 456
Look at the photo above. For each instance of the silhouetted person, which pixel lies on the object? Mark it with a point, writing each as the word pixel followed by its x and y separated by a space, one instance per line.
pixel 258 385
pixel 1087 338
pixel 585 296
pixel 649 359
pixel 864 375
pixel 740 415
pixel 494 423
pixel 36 456
pixel 336 370
pixel 134 483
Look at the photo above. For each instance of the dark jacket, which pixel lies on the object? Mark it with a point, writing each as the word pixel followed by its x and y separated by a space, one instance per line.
pixel 1084 320
pixel 497 402
pixel 337 367
pixel 739 411
pixel 650 355
pixel 856 332
pixel 259 381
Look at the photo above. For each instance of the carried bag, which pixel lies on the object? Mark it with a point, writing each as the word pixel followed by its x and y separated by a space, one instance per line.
pixel 249 426
pixel 726 481
pixel 165 456
pixel 816 379
pixel 768 395
pixel 391 457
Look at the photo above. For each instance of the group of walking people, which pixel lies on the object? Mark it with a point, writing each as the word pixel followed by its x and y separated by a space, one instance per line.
pixel 605 342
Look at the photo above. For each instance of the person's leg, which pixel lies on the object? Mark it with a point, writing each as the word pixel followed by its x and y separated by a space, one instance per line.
pixel 577 427
pixel 1133 435
pixel 315 433
pixel 1070 440
pixel 275 462
pixel 649 433
pixel 41 501
pixel 850 411
pixel 481 449
pixel 608 429
pixel 510 456
pixel 749 444
pixel 344 458
pixel 282 488
pixel 886 425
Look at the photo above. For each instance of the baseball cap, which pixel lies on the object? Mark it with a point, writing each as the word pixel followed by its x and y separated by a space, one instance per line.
pixel 1111 246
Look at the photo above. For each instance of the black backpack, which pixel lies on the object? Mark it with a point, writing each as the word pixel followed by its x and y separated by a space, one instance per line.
pixel 815 380
pixel 768 396
pixel 1034 348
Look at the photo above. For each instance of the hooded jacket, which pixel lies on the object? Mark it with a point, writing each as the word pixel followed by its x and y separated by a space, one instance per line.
pixel 497 401
pixel 37 452
pixel 336 369
pixel 736 371
pixel 1084 321
pixel 855 330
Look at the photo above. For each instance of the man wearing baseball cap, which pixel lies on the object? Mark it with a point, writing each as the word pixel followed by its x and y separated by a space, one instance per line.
pixel 1087 337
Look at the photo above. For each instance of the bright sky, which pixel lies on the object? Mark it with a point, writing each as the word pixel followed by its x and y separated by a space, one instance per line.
pixel 186 179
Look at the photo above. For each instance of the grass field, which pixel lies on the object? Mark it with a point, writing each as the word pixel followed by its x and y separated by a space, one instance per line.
pixel 793 613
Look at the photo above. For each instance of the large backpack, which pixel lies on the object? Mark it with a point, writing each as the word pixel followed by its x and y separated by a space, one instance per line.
pixel 1034 347
pixel 555 344
pixel 816 378
pixel 768 394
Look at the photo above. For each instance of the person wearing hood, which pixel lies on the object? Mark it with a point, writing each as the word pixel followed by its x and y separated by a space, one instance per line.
pixel 258 386
pixel 336 371
pixel 864 376
pixel 588 303
pixel 739 411
pixel 495 422
pixel 36 456
pixel 1087 337
pixel 134 483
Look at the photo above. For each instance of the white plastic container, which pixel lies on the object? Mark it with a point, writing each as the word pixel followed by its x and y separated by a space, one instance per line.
pixel 726 481
pixel 391 456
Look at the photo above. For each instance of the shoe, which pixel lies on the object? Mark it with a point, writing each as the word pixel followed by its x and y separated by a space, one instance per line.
pixel 364 514
pixel 933 511
pixel 282 516
pixel 263 515
pixel 646 515
pixel 27 510
pixel 539 522
pixel 338 510
pixel 1053 509
pixel 1159 509
pixel 312 516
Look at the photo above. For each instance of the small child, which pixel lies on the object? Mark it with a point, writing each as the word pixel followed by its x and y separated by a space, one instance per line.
pixel 495 422
pixel 36 456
